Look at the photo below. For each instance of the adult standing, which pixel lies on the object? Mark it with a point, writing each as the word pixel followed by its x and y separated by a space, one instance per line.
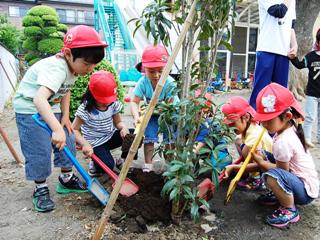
pixel 277 40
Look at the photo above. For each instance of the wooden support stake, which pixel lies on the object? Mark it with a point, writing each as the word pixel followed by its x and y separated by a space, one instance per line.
pixel 149 111
pixel 10 146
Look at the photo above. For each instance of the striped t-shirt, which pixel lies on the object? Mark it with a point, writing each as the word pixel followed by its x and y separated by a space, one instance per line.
pixel 98 125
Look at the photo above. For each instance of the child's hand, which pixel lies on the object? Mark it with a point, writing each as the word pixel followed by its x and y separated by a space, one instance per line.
pixel 87 150
pixel 124 131
pixel 257 157
pixel 65 122
pixel 136 121
pixel 228 170
pixel 292 52
pixel 59 139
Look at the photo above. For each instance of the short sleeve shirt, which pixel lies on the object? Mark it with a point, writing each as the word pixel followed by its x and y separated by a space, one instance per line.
pixel 98 127
pixel 275 33
pixel 53 73
pixel 144 89
pixel 253 133
pixel 287 147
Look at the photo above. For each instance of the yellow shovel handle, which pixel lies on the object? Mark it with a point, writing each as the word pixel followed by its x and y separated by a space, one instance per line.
pixel 243 167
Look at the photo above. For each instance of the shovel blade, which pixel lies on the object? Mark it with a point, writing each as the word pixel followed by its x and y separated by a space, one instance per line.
pixel 128 188
pixel 98 191
pixel 206 189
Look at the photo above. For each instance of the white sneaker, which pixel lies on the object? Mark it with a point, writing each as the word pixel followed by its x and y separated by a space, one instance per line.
pixel 148 167
pixel 309 144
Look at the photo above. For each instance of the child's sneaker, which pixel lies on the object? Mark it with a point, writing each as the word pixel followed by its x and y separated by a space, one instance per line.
pixel 93 171
pixel 251 183
pixel 282 217
pixel 268 199
pixel 42 201
pixel 73 185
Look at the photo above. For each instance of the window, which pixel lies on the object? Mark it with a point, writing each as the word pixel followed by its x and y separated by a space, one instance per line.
pixel 81 17
pixel 62 15
pixel 71 16
pixel 253 39
pixel 239 39
pixel 14 11
pixel 67 15
pixel 89 18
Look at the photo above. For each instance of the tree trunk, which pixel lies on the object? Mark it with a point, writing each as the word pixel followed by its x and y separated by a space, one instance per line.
pixel 307 13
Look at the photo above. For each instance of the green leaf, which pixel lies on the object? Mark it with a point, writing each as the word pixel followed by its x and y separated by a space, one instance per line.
pixel 173 193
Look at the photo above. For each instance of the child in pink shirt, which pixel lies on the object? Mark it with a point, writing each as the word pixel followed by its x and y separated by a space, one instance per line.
pixel 293 178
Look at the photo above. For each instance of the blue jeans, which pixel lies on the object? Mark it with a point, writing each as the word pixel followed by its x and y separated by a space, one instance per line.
pixel 152 131
pixel 312 111
pixel 290 184
pixel 270 68
pixel 36 147
pixel 103 150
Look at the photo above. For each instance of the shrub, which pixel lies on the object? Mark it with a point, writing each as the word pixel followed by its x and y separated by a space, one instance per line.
pixel 9 35
pixel 32 31
pixel 50 45
pixel 41 34
pixel 29 21
pixel 62 27
pixel 49 30
pixel 42 10
pixel 29 56
pixel 30 44
pixel 81 85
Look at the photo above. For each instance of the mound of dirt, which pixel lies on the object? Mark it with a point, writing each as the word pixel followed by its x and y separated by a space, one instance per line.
pixel 145 207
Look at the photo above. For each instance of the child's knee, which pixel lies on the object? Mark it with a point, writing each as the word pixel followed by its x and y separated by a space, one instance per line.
pixel 271 182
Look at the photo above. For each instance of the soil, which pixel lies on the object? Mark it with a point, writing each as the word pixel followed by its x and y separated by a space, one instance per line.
pixel 143 216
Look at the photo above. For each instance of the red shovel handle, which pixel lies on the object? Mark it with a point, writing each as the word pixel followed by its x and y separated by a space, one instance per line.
pixel 223 173
pixel 113 176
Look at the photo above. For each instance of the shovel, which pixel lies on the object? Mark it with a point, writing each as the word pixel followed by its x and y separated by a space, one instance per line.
pixel 234 181
pixel 128 187
pixel 206 188
pixel 93 184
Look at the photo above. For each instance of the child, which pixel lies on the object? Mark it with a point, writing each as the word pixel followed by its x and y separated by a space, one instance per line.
pixel 99 119
pixel 239 114
pixel 293 178
pixel 154 59
pixel 45 88
pixel 312 62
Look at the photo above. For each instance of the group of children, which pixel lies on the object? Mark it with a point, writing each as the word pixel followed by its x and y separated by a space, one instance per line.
pixel 287 166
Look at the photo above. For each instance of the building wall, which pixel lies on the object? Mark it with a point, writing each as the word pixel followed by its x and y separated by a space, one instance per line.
pixel 10 64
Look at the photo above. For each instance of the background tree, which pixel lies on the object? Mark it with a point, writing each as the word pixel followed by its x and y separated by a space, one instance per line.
pixel 43 34
pixel 9 35
pixel 307 13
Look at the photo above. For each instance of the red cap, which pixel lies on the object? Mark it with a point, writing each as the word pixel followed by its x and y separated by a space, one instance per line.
pixel 154 56
pixel 103 87
pixel 235 108
pixel 82 36
pixel 273 100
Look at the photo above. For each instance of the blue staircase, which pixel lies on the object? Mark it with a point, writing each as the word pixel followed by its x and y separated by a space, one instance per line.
pixel 109 20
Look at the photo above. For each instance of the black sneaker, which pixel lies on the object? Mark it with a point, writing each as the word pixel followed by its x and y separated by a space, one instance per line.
pixel 42 201
pixel 73 185
pixel 268 199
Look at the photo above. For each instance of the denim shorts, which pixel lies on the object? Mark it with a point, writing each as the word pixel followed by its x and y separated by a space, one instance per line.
pixel 37 148
pixel 289 183
pixel 152 131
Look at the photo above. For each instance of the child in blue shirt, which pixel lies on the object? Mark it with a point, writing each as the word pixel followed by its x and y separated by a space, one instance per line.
pixel 154 59
pixel 45 88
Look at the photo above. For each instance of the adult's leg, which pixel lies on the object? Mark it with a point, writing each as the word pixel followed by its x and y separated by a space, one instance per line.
pixel 310 115
pixel 262 75
pixel 281 70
